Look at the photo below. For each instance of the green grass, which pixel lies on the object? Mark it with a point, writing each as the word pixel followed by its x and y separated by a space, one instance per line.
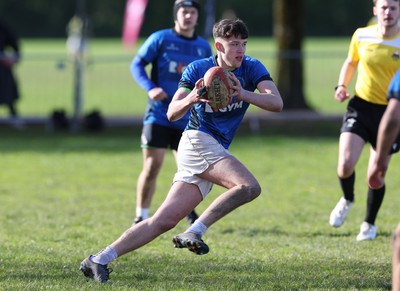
pixel 46 75
pixel 64 196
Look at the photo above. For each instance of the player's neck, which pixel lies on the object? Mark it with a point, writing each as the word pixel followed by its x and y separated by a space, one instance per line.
pixel 388 31
pixel 188 33
pixel 221 63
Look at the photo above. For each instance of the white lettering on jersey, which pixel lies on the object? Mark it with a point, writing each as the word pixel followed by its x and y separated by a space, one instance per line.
pixel 228 108
pixel 172 47
pixel 175 67
pixel 172 67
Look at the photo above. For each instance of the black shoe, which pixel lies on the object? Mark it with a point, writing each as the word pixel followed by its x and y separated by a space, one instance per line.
pixel 96 272
pixel 191 218
pixel 192 242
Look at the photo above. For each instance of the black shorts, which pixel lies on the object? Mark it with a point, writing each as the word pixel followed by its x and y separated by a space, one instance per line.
pixel 157 136
pixel 363 118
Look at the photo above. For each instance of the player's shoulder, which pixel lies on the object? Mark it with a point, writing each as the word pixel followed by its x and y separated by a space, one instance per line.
pixel 154 40
pixel 369 34
pixel 201 39
pixel 249 59
pixel 164 31
pixel 366 32
pixel 250 63
pixel 252 68
pixel 198 68
pixel 204 63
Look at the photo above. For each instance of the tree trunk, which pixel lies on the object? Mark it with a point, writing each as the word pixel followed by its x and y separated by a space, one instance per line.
pixel 288 30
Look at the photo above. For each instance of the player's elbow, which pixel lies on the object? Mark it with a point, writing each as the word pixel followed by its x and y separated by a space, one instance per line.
pixel 171 115
pixel 277 106
pixel 171 118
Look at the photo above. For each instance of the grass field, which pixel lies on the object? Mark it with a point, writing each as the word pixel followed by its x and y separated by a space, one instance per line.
pixel 46 76
pixel 65 196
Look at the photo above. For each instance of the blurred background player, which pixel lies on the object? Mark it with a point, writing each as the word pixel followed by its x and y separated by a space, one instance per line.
pixel 374 51
pixel 9 57
pixel 169 51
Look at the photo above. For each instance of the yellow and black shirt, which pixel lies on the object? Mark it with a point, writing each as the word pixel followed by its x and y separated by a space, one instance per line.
pixel 378 60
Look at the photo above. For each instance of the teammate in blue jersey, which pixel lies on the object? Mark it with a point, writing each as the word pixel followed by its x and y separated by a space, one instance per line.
pixel 169 51
pixel 388 133
pixel 203 156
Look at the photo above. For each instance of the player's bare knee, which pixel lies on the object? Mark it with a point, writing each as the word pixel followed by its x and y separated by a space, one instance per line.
pixel 252 191
pixel 152 172
pixel 256 190
pixel 345 170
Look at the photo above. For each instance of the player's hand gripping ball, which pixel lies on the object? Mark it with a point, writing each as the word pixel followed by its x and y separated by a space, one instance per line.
pixel 218 84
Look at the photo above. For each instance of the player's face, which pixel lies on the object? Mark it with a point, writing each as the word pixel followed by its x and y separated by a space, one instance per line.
pixel 387 12
pixel 186 19
pixel 231 51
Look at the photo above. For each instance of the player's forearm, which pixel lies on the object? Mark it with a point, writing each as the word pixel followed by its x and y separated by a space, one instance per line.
pixel 387 134
pixel 388 129
pixel 347 72
pixel 270 100
pixel 179 105
pixel 177 111
pixel 139 74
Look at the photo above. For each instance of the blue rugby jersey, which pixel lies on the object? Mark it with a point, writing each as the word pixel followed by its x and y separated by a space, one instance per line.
pixel 394 87
pixel 223 124
pixel 169 54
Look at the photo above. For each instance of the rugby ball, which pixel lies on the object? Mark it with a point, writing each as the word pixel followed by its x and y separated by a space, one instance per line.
pixel 218 84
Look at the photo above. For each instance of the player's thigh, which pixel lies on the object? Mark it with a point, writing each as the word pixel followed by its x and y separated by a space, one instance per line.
pixel 153 158
pixel 182 198
pixel 350 148
pixel 229 172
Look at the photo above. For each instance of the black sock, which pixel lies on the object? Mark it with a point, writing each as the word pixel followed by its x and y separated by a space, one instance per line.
pixel 374 202
pixel 347 185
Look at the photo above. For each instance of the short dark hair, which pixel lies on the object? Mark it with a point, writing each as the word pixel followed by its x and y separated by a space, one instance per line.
pixel 227 28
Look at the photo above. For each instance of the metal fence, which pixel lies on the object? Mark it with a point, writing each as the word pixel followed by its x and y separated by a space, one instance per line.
pixel 47 83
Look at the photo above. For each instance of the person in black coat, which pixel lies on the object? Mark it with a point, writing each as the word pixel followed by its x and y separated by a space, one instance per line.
pixel 9 56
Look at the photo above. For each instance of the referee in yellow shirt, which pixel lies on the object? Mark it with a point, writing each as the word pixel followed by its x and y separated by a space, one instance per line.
pixel 375 53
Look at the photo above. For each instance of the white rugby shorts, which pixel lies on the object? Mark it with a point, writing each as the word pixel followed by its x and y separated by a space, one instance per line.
pixel 197 150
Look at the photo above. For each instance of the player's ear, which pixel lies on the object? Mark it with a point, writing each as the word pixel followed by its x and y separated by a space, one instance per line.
pixel 219 46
